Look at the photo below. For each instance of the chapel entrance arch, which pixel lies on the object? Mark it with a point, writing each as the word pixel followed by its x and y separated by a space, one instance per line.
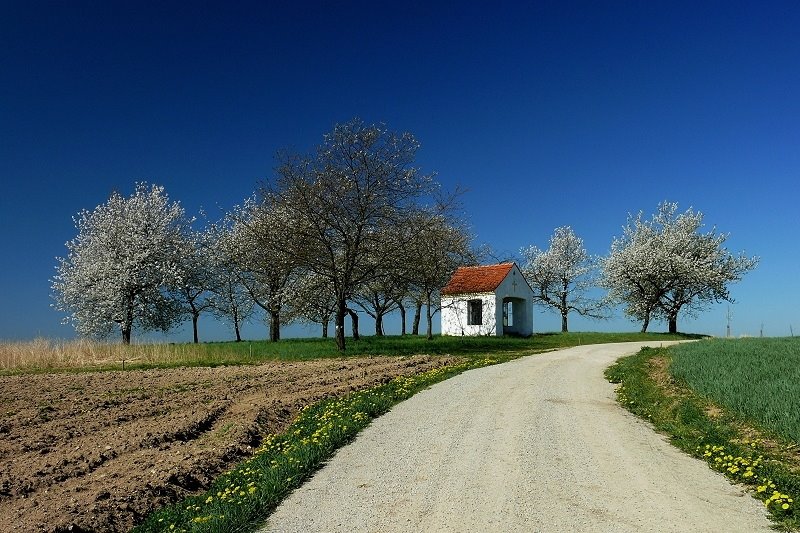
pixel 514 314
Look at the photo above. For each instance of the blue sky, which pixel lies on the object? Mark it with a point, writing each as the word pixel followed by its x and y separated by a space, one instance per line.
pixel 548 113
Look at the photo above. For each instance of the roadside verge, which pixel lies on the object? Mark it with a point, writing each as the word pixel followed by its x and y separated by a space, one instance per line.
pixel 240 499
pixel 746 454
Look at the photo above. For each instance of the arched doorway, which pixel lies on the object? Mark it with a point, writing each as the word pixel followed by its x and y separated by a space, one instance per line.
pixel 514 316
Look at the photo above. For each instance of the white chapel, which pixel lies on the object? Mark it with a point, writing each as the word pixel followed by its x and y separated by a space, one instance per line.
pixel 487 300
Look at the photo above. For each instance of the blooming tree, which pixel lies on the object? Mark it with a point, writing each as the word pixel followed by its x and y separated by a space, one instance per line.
pixel 229 299
pixel 562 276
pixel 634 270
pixel 266 270
pixel 197 277
pixel 120 268
pixel 313 300
pixel 665 265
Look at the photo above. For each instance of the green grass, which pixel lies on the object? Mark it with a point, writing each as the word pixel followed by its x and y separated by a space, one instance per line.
pixel 305 349
pixel 758 379
pixel 81 356
pixel 727 441
pixel 241 499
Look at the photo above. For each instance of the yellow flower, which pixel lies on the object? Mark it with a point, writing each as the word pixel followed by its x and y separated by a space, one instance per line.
pixel 785 506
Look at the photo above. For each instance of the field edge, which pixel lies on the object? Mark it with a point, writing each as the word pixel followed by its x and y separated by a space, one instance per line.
pixel 746 454
pixel 243 498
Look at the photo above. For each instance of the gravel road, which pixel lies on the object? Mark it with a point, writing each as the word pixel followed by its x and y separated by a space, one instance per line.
pixel 534 445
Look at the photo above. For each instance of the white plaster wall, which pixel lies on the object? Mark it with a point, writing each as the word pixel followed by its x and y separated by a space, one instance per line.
pixel 454 315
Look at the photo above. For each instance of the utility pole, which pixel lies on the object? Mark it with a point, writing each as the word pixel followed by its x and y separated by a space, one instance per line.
pixel 728 330
pixel 761 332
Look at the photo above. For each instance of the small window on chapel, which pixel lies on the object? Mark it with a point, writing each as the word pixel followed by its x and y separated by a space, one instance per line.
pixel 474 312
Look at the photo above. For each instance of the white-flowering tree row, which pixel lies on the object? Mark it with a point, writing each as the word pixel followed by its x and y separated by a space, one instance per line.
pixel 665 265
pixel 352 224
pixel 658 268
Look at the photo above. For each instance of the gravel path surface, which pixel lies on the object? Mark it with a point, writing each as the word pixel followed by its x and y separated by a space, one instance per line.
pixel 534 445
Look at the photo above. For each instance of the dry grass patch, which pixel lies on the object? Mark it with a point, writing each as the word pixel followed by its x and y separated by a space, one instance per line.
pixel 46 354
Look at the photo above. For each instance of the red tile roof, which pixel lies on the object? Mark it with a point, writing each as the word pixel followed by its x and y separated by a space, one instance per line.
pixel 477 279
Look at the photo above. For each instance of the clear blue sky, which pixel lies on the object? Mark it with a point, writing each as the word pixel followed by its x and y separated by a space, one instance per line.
pixel 549 113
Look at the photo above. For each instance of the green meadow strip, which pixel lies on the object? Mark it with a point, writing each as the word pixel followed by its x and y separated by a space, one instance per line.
pixel 759 378
pixel 746 454
pixel 241 499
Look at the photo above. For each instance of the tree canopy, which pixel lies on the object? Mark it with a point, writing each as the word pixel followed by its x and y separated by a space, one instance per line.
pixel 122 264
pixel 562 276
pixel 343 200
pixel 666 264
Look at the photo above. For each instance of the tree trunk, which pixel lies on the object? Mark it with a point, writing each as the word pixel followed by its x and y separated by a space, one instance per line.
pixel 402 318
pixel 645 323
pixel 354 321
pixel 127 326
pixel 325 330
pixel 274 325
pixel 236 324
pixel 379 324
pixel 195 317
pixel 417 315
pixel 564 326
pixel 673 324
pixel 341 311
pixel 429 316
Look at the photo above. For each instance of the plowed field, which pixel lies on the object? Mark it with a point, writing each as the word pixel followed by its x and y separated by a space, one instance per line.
pixel 96 451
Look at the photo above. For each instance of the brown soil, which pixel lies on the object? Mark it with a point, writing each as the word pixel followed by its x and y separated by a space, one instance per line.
pixel 98 451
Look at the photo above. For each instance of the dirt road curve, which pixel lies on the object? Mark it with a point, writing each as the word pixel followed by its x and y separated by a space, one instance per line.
pixel 534 445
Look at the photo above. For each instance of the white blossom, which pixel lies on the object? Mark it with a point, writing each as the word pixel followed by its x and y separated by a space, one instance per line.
pixel 197 276
pixel 266 270
pixel 121 265
pixel 229 300
pixel 664 265
pixel 562 275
